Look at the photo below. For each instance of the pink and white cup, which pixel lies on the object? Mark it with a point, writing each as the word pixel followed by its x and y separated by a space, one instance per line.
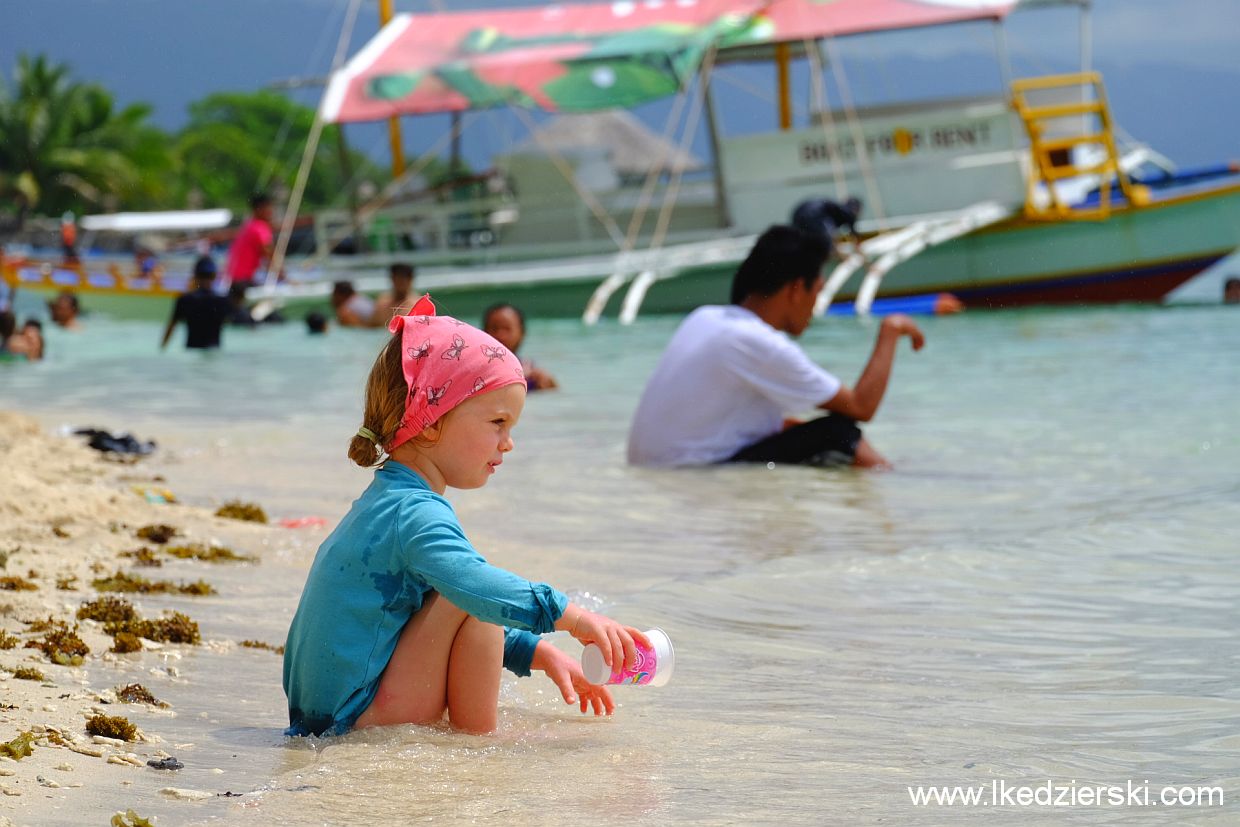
pixel 654 663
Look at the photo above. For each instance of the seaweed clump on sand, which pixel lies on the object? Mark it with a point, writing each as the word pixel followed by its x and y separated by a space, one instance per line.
pixel 258 644
pixel 107 609
pixel 19 747
pixel 16 583
pixel 68 583
pixel 176 628
pixel 28 673
pixel 143 557
pixel 124 582
pixel 111 726
pixel 136 693
pixel 238 510
pixel 130 819
pixel 125 642
pixel 157 534
pixel 8 641
pixel 208 554
pixel 59 643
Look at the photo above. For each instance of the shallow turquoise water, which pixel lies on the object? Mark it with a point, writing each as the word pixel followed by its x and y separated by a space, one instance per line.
pixel 1045 588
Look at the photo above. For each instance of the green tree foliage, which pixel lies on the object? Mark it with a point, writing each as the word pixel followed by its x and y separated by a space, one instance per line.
pixel 236 143
pixel 65 146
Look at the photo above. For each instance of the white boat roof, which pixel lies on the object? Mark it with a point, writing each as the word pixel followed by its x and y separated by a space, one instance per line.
pixel 146 222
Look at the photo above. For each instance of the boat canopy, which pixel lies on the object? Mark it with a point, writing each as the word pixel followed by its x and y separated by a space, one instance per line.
pixel 579 58
pixel 153 222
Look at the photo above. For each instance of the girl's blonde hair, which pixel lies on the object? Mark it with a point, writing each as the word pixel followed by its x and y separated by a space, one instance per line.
pixel 386 392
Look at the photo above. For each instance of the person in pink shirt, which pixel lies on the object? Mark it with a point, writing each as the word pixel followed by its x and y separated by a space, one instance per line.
pixel 253 244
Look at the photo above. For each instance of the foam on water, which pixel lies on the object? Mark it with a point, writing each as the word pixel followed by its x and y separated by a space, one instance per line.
pixel 1045 589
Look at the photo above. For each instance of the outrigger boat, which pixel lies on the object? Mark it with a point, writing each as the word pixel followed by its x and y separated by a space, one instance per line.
pixel 1017 198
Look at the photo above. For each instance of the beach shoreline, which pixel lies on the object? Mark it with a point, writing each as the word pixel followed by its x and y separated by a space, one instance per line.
pixel 67 514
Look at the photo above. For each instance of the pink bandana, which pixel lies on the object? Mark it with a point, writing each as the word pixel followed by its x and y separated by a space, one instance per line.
pixel 446 361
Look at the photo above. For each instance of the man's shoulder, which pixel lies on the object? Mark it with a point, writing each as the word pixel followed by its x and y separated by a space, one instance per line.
pixel 255 228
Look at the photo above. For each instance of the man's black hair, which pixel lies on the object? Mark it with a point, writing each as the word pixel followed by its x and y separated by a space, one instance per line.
pixel 400 268
pixel 258 199
pixel 343 289
pixel 781 255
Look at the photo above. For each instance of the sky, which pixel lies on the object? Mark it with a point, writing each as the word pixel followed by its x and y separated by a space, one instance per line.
pixel 1172 66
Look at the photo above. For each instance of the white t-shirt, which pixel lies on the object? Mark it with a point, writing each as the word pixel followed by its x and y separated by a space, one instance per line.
pixel 363 306
pixel 725 381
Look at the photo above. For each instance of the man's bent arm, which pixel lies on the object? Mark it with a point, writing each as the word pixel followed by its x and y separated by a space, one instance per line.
pixel 862 400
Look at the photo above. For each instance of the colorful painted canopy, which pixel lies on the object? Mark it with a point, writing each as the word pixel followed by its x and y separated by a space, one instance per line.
pixel 577 58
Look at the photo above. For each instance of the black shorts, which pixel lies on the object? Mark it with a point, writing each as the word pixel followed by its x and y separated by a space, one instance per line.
pixel 825 441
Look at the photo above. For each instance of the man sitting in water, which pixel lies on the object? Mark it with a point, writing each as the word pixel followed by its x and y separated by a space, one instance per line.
pixel 202 309
pixel 353 309
pixel 399 299
pixel 731 374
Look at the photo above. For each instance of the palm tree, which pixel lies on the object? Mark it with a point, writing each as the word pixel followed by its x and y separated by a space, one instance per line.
pixel 64 146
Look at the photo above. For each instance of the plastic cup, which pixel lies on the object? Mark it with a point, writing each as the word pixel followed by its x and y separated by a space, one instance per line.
pixel 654 663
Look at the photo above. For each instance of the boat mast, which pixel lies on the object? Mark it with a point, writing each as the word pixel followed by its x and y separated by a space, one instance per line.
pixel 783 56
pixel 398 152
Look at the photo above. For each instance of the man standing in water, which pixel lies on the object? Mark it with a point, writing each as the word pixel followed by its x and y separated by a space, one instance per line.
pixel 253 245
pixel 399 299
pixel 202 309
pixel 731 374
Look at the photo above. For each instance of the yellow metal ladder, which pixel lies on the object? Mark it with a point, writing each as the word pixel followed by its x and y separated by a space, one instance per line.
pixel 1054 156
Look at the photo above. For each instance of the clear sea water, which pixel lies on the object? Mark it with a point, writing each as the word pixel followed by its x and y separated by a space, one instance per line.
pixel 1045 589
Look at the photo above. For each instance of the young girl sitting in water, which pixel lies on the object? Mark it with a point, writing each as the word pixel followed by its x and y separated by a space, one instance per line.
pixel 401 619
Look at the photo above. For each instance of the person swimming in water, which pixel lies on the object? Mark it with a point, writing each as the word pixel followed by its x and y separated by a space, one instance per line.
pixel 506 323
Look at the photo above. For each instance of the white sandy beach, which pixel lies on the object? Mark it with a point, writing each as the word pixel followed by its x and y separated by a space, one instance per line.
pixel 66 514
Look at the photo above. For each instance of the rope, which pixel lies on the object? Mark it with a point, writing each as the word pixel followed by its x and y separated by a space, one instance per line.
pixel 390 189
pixel 312 146
pixel 828 121
pixel 858 136
pixel 269 165
pixel 604 218
pixel 690 130
pixel 647 194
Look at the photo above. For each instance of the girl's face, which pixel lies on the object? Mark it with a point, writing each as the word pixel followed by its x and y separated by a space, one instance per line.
pixel 475 436
pixel 505 325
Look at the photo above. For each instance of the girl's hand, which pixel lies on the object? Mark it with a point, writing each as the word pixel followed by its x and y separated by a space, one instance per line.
pixel 566 673
pixel 615 640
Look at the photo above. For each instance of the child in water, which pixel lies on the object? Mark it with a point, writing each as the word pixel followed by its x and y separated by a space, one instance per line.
pixel 401 619
pixel 507 324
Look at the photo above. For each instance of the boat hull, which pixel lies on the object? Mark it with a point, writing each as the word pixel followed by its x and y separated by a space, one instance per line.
pixel 1138 254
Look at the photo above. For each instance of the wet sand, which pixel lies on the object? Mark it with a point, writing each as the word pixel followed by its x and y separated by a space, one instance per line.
pixel 66 516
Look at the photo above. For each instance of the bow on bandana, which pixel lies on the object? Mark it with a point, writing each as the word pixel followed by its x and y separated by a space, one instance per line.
pixel 445 362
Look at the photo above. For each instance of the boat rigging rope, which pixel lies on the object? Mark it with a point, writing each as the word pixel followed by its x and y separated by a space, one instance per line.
pixel 389 191
pixel 269 165
pixel 686 138
pixel 652 175
pixel 604 218
pixel 858 135
pixel 312 145
pixel 816 72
